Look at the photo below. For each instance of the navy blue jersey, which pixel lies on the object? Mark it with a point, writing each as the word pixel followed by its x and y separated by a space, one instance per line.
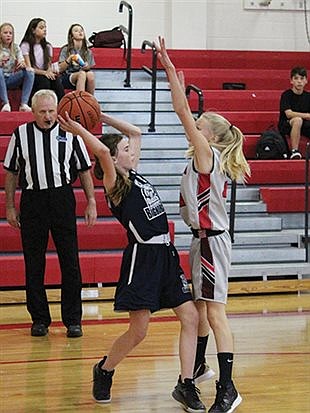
pixel 141 212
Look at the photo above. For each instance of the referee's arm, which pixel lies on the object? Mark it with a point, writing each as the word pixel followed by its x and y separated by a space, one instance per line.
pixel 12 215
pixel 88 188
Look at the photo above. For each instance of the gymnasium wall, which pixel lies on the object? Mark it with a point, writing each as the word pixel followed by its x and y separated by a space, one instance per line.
pixel 186 24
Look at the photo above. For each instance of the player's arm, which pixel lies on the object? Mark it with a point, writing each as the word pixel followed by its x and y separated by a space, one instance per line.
pixel 203 152
pixel 95 146
pixel 127 129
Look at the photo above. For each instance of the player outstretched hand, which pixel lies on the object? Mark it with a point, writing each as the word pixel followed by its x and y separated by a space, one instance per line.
pixel 164 58
pixel 162 54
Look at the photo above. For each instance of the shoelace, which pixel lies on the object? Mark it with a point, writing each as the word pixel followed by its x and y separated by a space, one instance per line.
pixel 194 390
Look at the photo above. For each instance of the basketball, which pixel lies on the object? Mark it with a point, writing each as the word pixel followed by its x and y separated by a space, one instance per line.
pixel 81 107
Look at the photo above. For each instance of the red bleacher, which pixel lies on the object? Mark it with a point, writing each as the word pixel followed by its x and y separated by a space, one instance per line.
pixel 284 198
pixel 265 172
pixel 206 59
pixel 105 235
pixel 237 100
pixel 254 79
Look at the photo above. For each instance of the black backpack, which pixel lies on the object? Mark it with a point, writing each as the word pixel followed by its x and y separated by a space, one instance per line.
pixel 271 145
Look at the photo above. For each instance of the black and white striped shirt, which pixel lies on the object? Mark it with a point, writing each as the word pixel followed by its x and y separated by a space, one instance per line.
pixel 45 159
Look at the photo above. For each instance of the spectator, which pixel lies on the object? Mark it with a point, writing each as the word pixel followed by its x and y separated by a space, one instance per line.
pixel 13 71
pixel 46 159
pixel 294 117
pixel 151 277
pixel 76 61
pixel 215 153
pixel 38 54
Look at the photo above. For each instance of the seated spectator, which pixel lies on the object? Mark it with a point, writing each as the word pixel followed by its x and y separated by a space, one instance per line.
pixel 294 117
pixel 38 54
pixel 76 60
pixel 13 71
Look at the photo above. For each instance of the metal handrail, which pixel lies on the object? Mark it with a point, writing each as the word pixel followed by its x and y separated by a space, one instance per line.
pixel 306 237
pixel 153 73
pixel 197 90
pixel 128 31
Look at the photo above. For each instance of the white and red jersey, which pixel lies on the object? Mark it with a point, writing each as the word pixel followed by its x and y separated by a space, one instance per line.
pixel 203 197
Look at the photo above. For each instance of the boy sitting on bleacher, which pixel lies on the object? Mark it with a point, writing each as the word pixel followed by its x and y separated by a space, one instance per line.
pixel 294 117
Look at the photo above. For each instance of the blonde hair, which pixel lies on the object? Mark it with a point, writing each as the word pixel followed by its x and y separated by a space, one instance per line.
pixel 12 48
pixel 229 141
pixel 123 183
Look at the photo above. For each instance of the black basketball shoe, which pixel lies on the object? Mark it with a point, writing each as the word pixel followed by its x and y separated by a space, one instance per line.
pixel 102 383
pixel 188 395
pixel 226 400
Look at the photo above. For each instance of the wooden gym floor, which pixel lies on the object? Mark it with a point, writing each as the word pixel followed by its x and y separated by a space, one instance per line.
pixel 54 373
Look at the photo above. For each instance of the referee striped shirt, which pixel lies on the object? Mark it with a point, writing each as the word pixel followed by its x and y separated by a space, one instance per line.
pixel 45 158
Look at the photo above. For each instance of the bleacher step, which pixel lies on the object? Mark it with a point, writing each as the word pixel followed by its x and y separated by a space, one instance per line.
pixel 243 194
pixel 300 269
pixel 254 255
pixel 114 79
pixel 240 207
pixel 249 224
pixel 259 239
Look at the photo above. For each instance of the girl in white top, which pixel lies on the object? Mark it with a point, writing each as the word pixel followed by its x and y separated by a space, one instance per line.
pixel 38 54
pixel 13 71
pixel 215 152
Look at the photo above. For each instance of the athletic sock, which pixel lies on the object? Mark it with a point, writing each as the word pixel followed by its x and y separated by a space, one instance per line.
pixel 225 361
pixel 201 350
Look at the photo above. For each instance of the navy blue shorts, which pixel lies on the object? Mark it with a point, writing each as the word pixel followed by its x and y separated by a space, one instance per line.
pixel 285 128
pixel 151 279
pixel 65 80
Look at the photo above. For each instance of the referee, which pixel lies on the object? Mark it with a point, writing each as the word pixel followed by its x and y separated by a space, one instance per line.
pixel 45 160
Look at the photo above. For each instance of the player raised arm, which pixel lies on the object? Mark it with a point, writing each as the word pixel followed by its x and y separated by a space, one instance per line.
pixel 203 152
pixel 127 129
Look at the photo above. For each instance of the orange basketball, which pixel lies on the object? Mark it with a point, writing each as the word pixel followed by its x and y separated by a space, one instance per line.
pixel 81 107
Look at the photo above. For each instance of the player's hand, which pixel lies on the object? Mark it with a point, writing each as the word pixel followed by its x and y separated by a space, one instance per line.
pixel 162 53
pixel 69 125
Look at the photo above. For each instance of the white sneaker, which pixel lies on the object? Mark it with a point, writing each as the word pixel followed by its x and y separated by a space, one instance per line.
pixel 24 108
pixel 203 373
pixel 295 154
pixel 6 108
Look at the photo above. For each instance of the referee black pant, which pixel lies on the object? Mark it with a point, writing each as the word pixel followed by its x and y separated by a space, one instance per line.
pixel 51 210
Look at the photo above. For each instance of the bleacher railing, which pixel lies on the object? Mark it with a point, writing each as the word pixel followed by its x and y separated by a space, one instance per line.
pixel 199 92
pixel 128 31
pixel 153 73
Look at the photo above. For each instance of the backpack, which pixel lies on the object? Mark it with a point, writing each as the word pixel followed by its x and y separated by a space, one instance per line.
pixel 108 38
pixel 271 145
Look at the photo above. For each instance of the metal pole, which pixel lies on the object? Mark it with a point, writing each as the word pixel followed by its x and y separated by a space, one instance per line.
pixel 307 202
pixel 153 72
pixel 129 45
pixel 232 211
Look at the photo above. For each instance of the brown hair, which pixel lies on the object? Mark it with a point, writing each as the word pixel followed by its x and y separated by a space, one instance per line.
pixel 122 184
